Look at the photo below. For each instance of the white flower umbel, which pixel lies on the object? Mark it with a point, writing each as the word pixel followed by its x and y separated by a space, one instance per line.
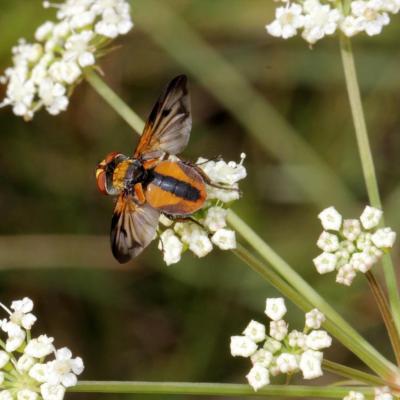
pixel 351 245
pixel 315 19
pixel 282 351
pixel 45 73
pixel 32 369
pixel 207 227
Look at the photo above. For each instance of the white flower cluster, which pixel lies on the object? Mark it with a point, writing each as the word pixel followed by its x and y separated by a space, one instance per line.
pixel 319 18
pixel 207 226
pixel 45 72
pixel 24 372
pixel 281 351
pixel 351 245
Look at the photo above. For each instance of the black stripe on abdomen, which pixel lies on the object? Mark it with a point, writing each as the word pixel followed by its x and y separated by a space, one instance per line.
pixel 178 188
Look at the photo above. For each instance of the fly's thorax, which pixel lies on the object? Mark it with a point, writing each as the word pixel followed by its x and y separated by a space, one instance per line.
pixel 126 174
pixel 135 173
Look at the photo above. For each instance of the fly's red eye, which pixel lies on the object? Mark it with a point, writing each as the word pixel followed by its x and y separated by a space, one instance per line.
pixel 101 180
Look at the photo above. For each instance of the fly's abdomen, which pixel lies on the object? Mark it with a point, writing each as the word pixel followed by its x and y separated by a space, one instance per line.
pixel 176 188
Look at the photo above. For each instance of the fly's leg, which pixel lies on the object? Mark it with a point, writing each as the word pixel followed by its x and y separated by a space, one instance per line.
pixel 180 218
pixel 139 194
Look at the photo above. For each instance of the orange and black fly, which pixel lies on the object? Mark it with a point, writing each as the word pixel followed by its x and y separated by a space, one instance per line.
pixel 147 183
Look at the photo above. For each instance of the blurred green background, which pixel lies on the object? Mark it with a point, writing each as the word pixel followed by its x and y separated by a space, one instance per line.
pixel 280 102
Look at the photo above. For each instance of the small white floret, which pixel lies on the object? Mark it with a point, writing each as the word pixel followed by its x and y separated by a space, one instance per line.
pixel 258 377
pixel 40 347
pixel 52 392
pixel 351 229
pixel 318 339
pixel 328 242
pixel 25 363
pixel 325 262
pixel 242 346
pixel 64 368
pixel 310 364
pixel 39 372
pixel 171 247
pixel 255 331
pixel 370 217
pixel 215 218
pixel 346 275
pixel 354 396
pixel 272 345
pixel 225 239
pixel 331 220
pixel 287 21
pixel 297 339
pixel 287 363
pixel 278 329
pixel 262 357
pixel 320 20
pixel 26 394
pixel 384 238
pixel 314 319
pixel 275 308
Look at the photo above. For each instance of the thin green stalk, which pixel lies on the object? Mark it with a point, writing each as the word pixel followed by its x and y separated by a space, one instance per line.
pixel 343 331
pixel 215 389
pixel 127 114
pixel 367 163
pixel 383 306
pixel 354 374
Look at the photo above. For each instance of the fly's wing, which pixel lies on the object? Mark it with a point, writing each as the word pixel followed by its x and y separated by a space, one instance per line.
pixel 168 128
pixel 133 227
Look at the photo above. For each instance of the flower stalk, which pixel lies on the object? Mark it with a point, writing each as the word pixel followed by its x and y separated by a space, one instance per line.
pixel 367 163
pixel 383 306
pixel 114 101
pixel 215 389
pixel 335 324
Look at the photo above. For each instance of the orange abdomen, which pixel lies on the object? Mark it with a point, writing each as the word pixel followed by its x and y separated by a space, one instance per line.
pixel 176 188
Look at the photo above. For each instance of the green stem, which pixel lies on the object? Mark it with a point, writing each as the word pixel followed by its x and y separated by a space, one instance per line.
pixel 383 306
pixel 367 163
pixel 127 114
pixel 354 374
pixel 214 389
pixel 335 323
pixel 347 335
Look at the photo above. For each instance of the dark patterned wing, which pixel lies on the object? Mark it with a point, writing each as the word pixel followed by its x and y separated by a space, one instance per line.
pixel 168 128
pixel 133 227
